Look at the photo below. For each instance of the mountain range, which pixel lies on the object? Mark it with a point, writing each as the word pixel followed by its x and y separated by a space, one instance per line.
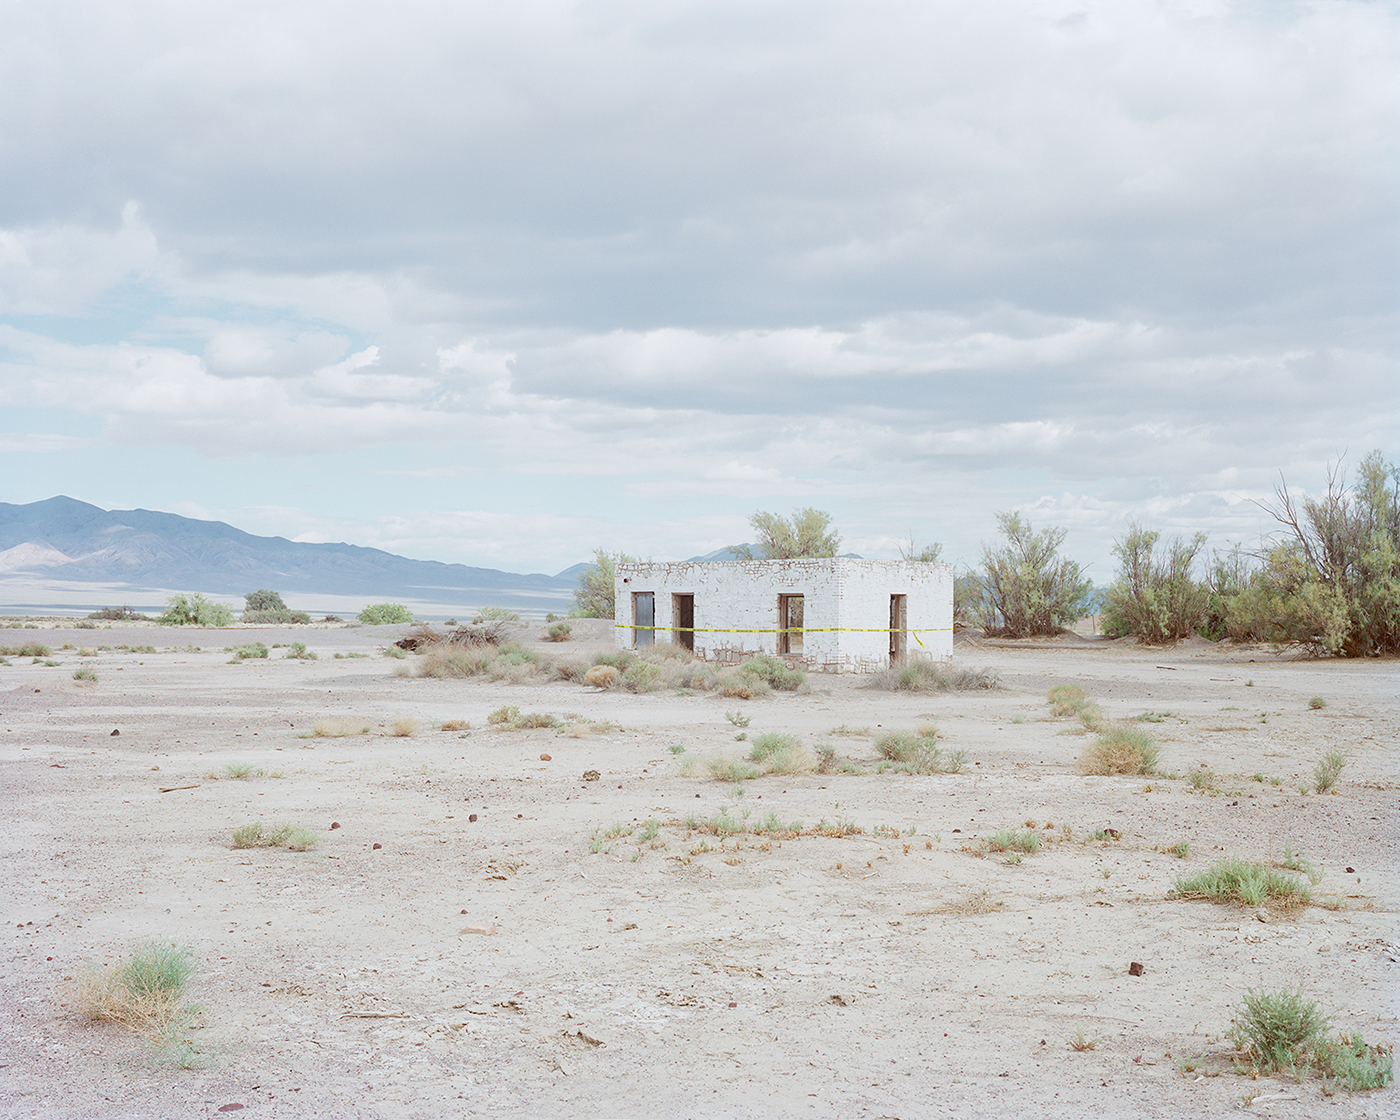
pixel 63 551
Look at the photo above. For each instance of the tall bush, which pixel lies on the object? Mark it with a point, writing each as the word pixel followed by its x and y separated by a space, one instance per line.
pixel 806 534
pixel 593 597
pixel 1156 595
pixel 1025 588
pixel 1332 580
pixel 194 610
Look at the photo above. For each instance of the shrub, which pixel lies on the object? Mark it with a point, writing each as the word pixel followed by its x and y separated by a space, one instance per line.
pixel 386 614
pixel 495 613
pixel 118 614
pixel 774 673
pixel 1155 595
pixel 1024 588
pixel 918 753
pixel 1282 1032
pixel 1250 884
pixel 1121 752
pixel 781 754
pixel 506 713
pixel 1317 703
pixel 928 676
pixel 403 727
pixel 84 674
pixel 263 600
pixel 601 676
pixel 444 661
pixel 1328 770
pixel 593 598
pixel 1011 841
pixel 279 835
pixel 276 618
pixel 146 992
pixel 26 649
pixel 1332 583
pixel 194 610
pixel 253 651
pixel 807 534
pixel 297 651
pixel 642 676
pixel 727 768
pixel 559 632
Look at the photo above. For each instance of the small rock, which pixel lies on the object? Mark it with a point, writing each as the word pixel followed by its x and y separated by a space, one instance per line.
pixel 335 824
pixel 115 731
pixel 488 929
pixel 376 847
pixel 1351 871
pixel 545 758
pixel 471 817
pixel 230 1107
pixel 1262 916
pixel 1135 968
pixel 591 775
pixel 1324 948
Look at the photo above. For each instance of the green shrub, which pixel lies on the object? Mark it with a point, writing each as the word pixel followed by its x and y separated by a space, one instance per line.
pixel 1024 588
pixel 1008 840
pixel 1250 884
pixel 194 610
pixel 84 674
pixel 263 600
pixel 495 613
pixel 118 614
pixel 929 676
pixel 386 614
pixel 250 652
pixel 781 754
pixel 1326 772
pixel 296 838
pixel 918 753
pixel 559 632
pixel 146 992
pixel 1332 583
pixel 593 598
pixel 642 676
pixel 1155 595
pixel 774 673
pixel 26 649
pixel 282 617
pixel 297 651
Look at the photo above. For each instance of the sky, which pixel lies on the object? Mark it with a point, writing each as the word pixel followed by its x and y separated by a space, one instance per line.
pixel 500 284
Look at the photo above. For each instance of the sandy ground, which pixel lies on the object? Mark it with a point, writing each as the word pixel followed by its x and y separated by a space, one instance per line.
pixel 808 977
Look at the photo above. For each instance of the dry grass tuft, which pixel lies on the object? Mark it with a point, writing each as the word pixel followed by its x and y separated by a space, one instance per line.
pixel 146 992
pixel 601 676
pixel 456 725
pixel 968 906
pixel 403 727
pixel 338 728
pixel 1120 752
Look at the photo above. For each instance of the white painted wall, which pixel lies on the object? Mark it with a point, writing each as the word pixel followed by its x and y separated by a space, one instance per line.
pixel 847 608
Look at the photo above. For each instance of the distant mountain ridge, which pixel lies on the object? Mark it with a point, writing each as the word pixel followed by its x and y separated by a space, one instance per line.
pixel 67 541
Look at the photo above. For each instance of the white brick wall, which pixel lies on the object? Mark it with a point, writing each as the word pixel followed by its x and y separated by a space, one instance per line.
pixel 847 608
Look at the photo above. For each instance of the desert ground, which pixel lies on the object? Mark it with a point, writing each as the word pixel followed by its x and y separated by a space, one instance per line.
pixel 457 946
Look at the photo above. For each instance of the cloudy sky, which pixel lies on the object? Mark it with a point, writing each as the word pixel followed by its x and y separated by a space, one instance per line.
pixel 500 283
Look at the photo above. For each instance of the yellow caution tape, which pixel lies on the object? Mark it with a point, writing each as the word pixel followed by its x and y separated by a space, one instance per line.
pixel 789 630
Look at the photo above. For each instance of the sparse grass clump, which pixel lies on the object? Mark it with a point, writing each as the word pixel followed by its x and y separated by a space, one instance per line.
pixel 1328 770
pixel 559 632
pixel 1009 840
pixel 1317 703
pixel 506 713
pixel 495 613
pixel 781 754
pixel 337 728
pixel 931 676
pixel 403 727
pixel 456 725
pixel 295 837
pixel 1120 752
pixel 297 651
pixel 727 768
pixel 147 993
pixel 918 753
pixel 1201 779
pixel 84 674
pixel 1246 883
pixel 26 649
pixel 251 652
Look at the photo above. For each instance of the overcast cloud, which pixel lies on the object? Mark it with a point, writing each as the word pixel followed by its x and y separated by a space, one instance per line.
pixel 499 283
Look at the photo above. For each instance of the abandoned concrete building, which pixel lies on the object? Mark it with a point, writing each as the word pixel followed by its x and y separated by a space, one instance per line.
pixel 833 616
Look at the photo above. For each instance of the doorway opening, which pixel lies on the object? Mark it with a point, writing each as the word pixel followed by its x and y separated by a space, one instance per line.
pixel 790 615
pixel 899 628
pixel 683 626
pixel 643 619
